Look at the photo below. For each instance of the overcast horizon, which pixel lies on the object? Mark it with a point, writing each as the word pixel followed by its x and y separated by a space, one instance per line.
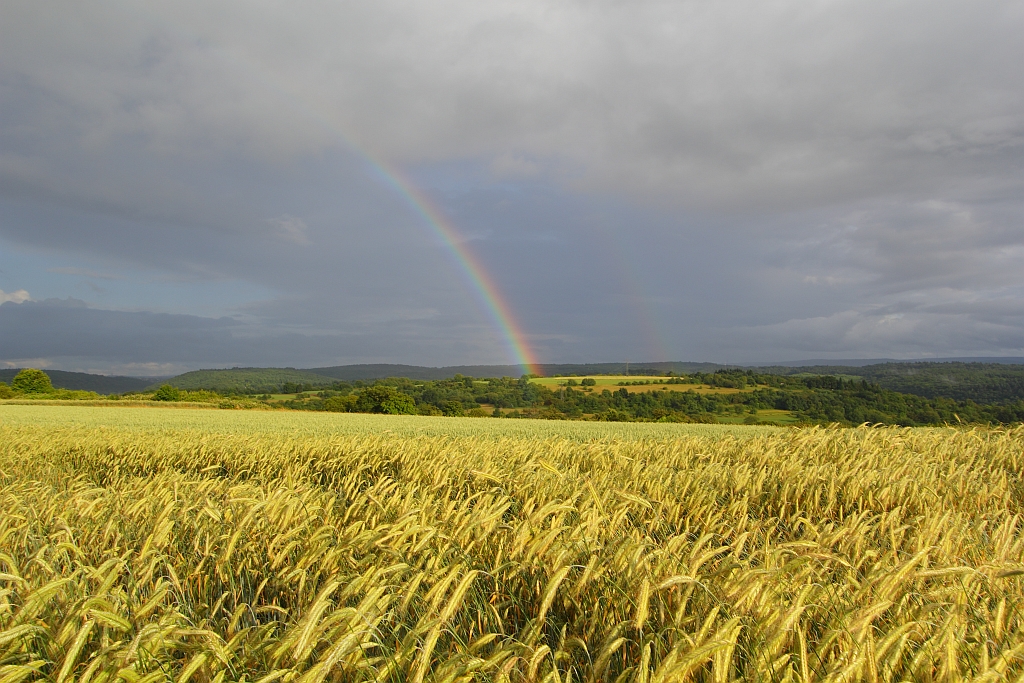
pixel 191 185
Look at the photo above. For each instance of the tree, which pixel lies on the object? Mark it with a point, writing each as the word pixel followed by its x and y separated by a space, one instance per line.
pixel 167 393
pixel 32 381
pixel 384 399
pixel 588 382
pixel 5 391
pixel 453 409
pixel 339 404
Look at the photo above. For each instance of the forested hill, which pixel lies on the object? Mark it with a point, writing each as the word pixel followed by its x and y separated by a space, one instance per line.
pixel 982 382
pixel 723 396
pixel 382 371
pixel 995 383
pixel 977 381
pixel 248 380
pixel 83 381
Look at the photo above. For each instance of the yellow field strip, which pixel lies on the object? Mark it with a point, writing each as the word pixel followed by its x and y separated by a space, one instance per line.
pixel 210 419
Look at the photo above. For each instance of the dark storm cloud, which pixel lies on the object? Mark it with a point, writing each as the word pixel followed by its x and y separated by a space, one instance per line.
pixel 54 328
pixel 689 179
pixel 71 334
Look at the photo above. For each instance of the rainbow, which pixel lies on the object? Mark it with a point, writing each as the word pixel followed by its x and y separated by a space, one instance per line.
pixel 488 293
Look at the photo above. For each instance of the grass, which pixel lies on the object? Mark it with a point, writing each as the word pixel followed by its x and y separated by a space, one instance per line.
pixel 145 545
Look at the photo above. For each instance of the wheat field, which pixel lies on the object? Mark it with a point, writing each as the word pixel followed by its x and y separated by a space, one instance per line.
pixel 322 424
pixel 149 551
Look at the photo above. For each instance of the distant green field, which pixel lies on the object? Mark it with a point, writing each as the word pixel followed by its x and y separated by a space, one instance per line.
pixel 632 383
pixel 601 380
pixel 326 424
pixel 783 417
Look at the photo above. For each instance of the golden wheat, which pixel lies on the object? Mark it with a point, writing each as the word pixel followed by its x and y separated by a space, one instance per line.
pixel 198 555
pixel 320 424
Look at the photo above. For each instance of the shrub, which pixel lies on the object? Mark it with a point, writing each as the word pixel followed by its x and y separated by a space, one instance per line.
pixel 32 381
pixel 588 382
pixel 167 393
pixel 5 391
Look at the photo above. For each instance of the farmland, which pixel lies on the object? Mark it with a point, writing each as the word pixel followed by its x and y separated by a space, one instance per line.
pixel 636 384
pixel 147 544
pixel 327 425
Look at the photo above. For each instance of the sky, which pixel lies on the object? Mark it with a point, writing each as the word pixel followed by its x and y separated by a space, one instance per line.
pixel 198 184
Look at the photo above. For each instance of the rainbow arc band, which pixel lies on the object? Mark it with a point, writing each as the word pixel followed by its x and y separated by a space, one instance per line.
pixel 488 293
pixel 479 279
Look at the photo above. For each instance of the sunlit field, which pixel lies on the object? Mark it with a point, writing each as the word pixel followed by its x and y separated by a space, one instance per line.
pixel 203 418
pixel 145 544
pixel 634 384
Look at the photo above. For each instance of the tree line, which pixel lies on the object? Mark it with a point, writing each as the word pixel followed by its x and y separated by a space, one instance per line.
pixel 813 399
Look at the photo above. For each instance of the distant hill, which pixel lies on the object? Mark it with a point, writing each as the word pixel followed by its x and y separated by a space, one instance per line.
pixel 83 381
pixel 350 373
pixel 860 362
pixel 271 379
pixel 245 380
pixel 380 371
pixel 994 380
pixel 997 382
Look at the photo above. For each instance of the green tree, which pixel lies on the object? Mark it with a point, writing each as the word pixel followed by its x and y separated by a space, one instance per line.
pixel 5 391
pixel 453 409
pixel 167 393
pixel 588 382
pixel 32 381
pixel 339 404
pixel 385 399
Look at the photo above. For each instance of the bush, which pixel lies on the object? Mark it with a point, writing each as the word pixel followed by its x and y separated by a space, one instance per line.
pixel 167 393
pixel 32 381
pixel 5 391
pixel 588 382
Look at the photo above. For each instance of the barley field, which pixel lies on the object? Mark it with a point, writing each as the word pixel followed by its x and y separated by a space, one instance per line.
pixel 143 545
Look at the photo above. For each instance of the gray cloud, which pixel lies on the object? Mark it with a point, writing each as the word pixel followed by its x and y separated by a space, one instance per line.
pixel 686 179
pixel 84 272
pixel 70 334
pixel 17 297
pixel 757 104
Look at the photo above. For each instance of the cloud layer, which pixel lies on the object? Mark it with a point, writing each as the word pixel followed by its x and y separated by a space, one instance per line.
pixel 709 181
